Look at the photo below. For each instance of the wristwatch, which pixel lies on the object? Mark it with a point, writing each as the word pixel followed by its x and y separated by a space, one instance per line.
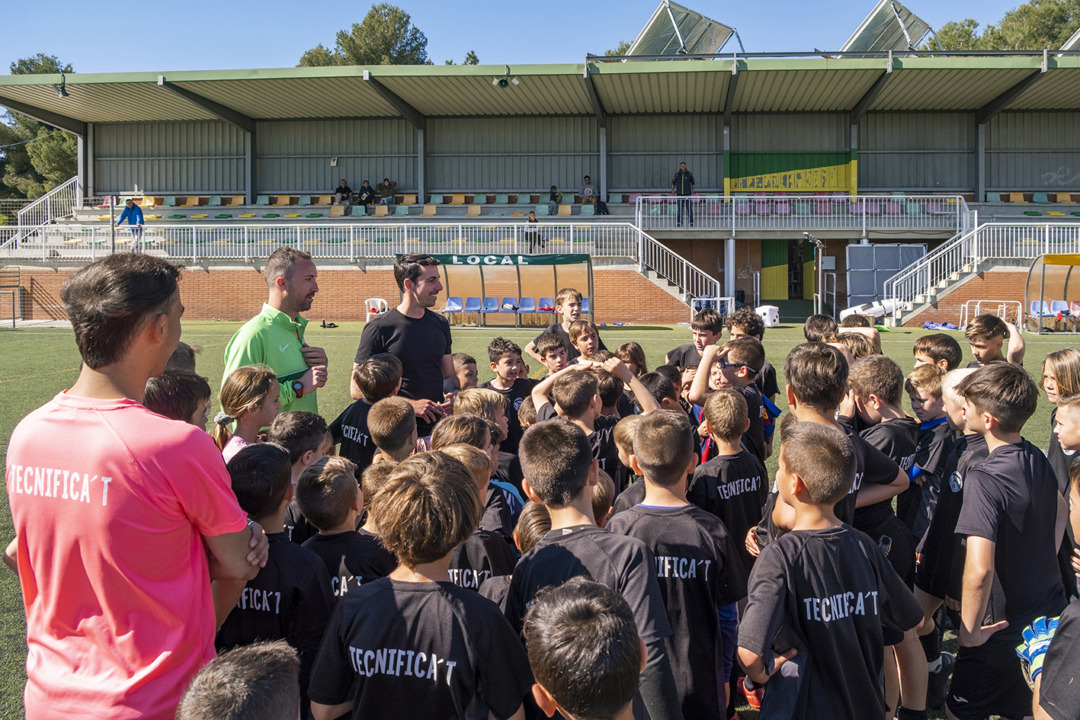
pixel 298 388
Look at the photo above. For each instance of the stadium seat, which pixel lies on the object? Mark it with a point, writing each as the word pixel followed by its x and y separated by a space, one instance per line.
pixel 435 200
pixel 291 215
pixel 634 197
pixel 614 198
pixel 802 207
pixel 1074 308
pixel 453 304
pixel 1040 198
pixel 480 199
pixel 322 199
pixel 191 201
pixel 823 206
pixel 491 305
pixel 223 216
pixel 761 205
pixel 1039 308
pixel 178 217
pixel 246 216
pixel 508 305
pixel 359 210
pixel 525 199
pixel 527 306
pixel 214 201
pixel 337 211
pixel 380 211
pixel 1017 198
pixel 781 205
pixel 914 207
pixel 148 201
pixel 1056 213
pixel 429 211
pixel 409 199
pixel 399 209
pixel 282 200
pixel 262 200
pixel 546 302
pixel 742 206
pixel 200 216
pixel 502 199
pixel 170 201
pixel 1059 306
pixel 587 210
pixel 715 207
pixel 314 215
pixel 472 305
pixel 473 211
pixel 1064 199
pixel 158 217
pixel 994 198
pixel 585 308
pixel 457 199
pixel 272 215
pixel 236 201
pixel 304 200
pixel 541 210
pixel 564 210
pixel 1032 213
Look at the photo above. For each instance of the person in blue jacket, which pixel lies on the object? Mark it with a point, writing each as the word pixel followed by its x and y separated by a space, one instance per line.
pixel 133 214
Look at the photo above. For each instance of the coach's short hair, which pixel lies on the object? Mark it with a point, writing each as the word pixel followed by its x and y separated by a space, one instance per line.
pixel 427 507
pixel 411 266
pixel 822 456
pixel 817 374
pixel 110 301
pixel 583 629
pixel 281 262
pixel 250 682
pixel 556 458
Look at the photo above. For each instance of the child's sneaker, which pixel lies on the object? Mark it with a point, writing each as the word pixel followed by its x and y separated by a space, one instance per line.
pixel 753 697
pixel 938 683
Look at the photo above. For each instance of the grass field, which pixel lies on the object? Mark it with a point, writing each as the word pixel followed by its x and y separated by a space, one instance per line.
pixel 37 364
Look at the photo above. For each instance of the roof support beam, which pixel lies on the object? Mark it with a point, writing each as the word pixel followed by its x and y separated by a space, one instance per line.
pixel 61 122
pixel 221 112
pixel 868 98
pixel 991 109
pixel 594 99
pixel 407 111
pixel 733 84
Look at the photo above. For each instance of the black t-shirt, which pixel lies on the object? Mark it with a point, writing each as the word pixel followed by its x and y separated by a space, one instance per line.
pixel 351 431
pixel 831 591
pixel 1060 689
pixel 634 494
pixel 495 589
pixel 497 517
pixel 936 439
pixel 420 650
pixel 515 395
pixel 1011 499
pixel 754 437
pixel 897 439
pixel 288 600
pixel 684 356
pixel 343 189
pixel 484 555
pixel 297 527
pixel 698 571
pixel 941 557
pixel 624 564
pixel 420 344
pixel 571 351
pixel 734 488
pixel 352 558
pixel 766 380
pixel 602 440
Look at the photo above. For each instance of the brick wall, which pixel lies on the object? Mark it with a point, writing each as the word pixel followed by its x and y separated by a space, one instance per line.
pixel 238 293
pixel 994 284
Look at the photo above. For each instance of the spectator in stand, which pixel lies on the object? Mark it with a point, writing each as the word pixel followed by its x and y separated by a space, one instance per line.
pixel 133 214
pixel 682 186
pixel 366 197
pixel 386 191
pixel 342 193
pixel 532 232
pixel 588 192
pixel 554 200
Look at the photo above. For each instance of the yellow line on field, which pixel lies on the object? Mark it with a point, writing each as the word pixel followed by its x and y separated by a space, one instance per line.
pixel 40 375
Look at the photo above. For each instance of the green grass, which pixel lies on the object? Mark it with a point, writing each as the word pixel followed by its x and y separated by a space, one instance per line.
pixel 35 364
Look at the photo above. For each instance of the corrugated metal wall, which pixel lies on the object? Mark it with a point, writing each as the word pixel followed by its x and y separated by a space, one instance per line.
pixel 294 155
pixel 468 155
pixel 644 152
pixel 917 151
pixel 168 158
pixel 1033 151
pixel 789 132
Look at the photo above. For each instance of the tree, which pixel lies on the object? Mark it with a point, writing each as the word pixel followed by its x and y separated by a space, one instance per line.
pixel 39 158
pixel 619 49
pixel 962 35
pixel 471 59
pixel 385 37
pixel 1035 25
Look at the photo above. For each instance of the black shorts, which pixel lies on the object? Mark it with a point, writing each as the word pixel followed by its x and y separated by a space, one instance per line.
pixel 895 535
pixel 988 679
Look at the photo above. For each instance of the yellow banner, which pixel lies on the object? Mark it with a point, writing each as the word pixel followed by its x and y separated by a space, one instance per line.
pixel 831 178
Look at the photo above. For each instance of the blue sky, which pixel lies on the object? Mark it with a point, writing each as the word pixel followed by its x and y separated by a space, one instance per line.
pixel 205 35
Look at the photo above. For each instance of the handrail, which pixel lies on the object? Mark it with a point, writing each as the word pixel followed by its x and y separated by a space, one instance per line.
pixel 57 203
pixel 839 211
pixel 350 241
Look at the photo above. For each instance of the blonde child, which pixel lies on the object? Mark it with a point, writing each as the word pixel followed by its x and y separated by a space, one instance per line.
pixel 1060 378
pixel 250 397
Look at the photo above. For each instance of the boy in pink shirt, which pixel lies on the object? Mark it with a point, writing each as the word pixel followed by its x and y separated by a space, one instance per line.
pixel 121 527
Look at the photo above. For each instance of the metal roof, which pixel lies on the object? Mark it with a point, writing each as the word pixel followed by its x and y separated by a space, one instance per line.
pixel 762 84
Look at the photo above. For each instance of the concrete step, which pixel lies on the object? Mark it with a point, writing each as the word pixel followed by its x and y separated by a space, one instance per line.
pixel 665 285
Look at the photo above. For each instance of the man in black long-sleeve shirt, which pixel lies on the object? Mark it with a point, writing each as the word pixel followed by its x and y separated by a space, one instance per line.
pixel 682 185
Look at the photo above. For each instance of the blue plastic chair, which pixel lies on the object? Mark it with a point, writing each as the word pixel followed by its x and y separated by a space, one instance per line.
pixel 512 301
pixel 1059 306
pixel 1040 308
pixel 453 305
pixel 548 303
pixel 472 305
pixel 527 307
pixel 585 306
pixel 491 305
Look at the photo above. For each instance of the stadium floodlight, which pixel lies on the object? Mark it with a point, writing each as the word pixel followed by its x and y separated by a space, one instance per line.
pixel 61 89
pixel 889 26
pixel 676 30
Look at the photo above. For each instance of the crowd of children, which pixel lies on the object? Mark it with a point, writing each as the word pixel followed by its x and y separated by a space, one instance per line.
pixel 605 542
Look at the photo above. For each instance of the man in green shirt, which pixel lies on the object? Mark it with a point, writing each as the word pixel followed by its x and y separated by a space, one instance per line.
pixel 275 336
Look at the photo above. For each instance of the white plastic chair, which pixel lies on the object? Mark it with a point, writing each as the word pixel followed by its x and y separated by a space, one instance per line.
pixel 375 307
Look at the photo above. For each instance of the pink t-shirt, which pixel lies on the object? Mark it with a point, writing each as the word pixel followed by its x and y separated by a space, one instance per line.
pixel 111 503
pixel 235 445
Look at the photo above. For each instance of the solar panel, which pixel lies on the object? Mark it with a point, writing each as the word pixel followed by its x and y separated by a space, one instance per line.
pixel 676 30
pixel 889 26
pixel 1072 43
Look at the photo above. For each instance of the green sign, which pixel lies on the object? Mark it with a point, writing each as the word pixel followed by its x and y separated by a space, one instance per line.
pixel 496 259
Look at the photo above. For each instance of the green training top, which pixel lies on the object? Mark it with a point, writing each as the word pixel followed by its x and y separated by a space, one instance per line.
pixel 272 338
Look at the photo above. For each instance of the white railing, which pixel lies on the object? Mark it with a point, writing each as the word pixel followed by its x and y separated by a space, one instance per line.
pixel 351 241
pixel 737 213
pixel 964 253
pixel 57 203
